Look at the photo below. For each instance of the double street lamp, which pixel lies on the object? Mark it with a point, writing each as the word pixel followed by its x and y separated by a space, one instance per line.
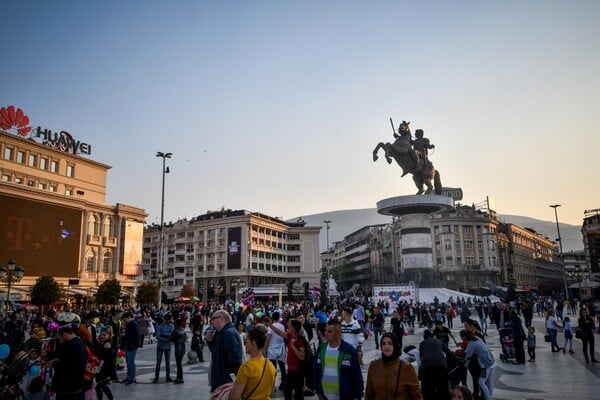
pixel 10 274
pixel 161 255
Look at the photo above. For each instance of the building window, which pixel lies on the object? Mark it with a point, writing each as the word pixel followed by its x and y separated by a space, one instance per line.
pixel 32 160
pixel 70 171
pixel 106 261
pixel 90 260
pixel 8 153
pixel 31 183
pixel 44 163
pixel 108 227
pixel 470 260
pixel 21 157
pixel 6 178
pixel 42 186
pixel 68 192
pixel 468 244
pixel 467 229
pixel 93 228
pixel 52 188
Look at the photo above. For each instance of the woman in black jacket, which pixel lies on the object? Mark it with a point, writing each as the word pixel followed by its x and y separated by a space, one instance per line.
pixel 587 327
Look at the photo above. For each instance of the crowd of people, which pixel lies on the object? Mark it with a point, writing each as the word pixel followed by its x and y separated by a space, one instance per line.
pixel 309 349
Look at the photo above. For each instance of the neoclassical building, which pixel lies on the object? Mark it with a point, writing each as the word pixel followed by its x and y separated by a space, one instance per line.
pixel 54 218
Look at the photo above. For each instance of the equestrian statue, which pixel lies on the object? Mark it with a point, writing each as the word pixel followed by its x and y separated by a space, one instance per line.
pixel 413 157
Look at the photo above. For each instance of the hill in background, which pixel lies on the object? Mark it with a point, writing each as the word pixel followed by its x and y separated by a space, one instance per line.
pixel 344 222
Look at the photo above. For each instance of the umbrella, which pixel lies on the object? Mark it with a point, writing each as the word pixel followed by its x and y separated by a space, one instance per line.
pixel 182 298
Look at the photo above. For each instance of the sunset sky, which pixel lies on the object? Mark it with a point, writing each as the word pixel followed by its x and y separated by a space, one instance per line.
pixel 276 106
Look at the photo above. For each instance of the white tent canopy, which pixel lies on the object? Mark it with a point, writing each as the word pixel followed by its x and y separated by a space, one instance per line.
pixel 427 295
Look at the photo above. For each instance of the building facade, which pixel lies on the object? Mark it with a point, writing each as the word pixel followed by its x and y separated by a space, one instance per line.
pixel 472 251
pixel 55 219
pixel 224 252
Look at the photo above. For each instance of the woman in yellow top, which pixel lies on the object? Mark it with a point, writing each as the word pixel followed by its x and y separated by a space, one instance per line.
pixel 256 377
pixel 392 378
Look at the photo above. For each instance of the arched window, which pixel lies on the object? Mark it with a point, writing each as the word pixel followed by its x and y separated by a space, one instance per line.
pixel 93 228
pixel 108 227
pixel 106 261
pixel 90 260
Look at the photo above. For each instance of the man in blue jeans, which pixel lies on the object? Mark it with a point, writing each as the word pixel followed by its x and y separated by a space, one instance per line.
pixel 131 342
pixel 377 321
pixel 163 346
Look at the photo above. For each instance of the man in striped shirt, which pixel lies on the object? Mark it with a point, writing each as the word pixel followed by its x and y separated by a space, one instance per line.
pixel 337 373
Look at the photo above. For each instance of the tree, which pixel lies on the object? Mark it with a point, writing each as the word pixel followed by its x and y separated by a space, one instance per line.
pixel 109 292
pixel 45 291
pixel 188 290
pixel 147 293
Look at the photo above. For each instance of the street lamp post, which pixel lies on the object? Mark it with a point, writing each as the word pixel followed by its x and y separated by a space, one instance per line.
pixel 555 206
pixel 161 255
pixel 12 273
pixel 237 288
pixel 325 289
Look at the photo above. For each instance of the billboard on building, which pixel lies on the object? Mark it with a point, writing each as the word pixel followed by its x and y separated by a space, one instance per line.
pixel 394 294
pixel 43 238
pixel 234 240
pixel 132 248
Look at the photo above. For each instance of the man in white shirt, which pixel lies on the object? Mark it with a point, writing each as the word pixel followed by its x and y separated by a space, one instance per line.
pixel 352 332
pixel 275 346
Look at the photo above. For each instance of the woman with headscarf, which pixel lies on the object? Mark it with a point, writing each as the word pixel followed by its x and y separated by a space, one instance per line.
pixel 389 377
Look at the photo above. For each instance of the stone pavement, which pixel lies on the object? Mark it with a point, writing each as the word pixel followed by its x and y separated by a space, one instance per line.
pixel 553 376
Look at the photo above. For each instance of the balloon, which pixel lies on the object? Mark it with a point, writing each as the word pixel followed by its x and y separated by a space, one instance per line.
pixel 4 351
pixel 34 371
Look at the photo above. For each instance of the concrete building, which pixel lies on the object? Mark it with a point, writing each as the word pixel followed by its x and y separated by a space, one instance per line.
pixel 55 220
pixel 224 252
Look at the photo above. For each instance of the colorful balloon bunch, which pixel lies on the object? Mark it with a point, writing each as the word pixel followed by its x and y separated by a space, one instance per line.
pixel 248 297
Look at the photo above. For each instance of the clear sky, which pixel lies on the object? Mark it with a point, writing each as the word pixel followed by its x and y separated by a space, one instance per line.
pixel 276 106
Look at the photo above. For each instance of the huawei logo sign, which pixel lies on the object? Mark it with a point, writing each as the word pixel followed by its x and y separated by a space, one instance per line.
pixel 14 118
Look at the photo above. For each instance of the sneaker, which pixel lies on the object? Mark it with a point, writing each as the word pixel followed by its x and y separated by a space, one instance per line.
pixel 131 382
pixel 178 381
pixel 155 380
pixel 168 379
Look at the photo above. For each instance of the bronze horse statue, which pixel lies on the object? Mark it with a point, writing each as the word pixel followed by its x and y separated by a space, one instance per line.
pixel 402 151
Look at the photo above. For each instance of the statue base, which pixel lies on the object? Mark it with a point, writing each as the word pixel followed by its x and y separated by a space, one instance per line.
pixel 415 226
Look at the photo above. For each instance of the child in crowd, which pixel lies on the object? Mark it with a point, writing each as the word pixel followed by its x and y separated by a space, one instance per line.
pixel 461 393
pixel 531 343
pixel 36 390
pixel 568 329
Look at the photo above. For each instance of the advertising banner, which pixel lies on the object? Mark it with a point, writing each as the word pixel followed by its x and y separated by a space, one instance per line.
pixel 132 260
pixel 43 238
pixel 234 238
pixel 394 294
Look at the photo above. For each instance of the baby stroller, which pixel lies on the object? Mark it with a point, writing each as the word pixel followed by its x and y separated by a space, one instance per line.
pixel 508 345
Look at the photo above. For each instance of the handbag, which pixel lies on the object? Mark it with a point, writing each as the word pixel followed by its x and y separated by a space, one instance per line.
pixel 547 338
pixel 579 334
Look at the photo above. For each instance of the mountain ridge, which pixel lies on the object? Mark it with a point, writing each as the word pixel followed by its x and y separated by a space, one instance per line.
pixel 345 222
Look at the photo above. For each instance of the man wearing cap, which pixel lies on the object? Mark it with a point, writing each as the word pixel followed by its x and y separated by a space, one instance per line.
pixel 163 346
pixel 131 342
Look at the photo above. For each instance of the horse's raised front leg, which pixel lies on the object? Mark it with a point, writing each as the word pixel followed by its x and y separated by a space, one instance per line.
pixel 379 145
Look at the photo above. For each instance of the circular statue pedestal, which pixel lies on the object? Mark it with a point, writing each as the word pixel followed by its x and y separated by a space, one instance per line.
pixel 415 226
